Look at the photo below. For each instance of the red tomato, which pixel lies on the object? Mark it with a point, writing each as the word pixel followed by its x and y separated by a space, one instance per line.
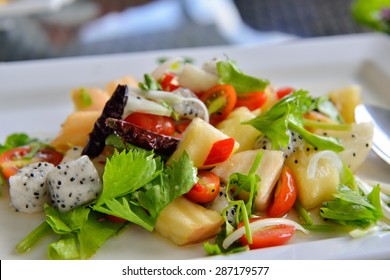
pixel 283 91
pixel 251 100
pixel 269 236
pixel 206 189
pixel 169 82
pixel 285 194
pixel 12 160
pixel 220 151
pixel 182 126
pixel 220 101
pixel 155 123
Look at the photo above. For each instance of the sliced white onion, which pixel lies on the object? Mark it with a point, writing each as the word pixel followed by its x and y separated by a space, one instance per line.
pixel 167 96
pixel 139 104
pixel 163 67
pixel 229 240
pixel 332 156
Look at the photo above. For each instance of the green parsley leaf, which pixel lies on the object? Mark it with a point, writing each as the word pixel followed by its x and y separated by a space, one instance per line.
pixel 286 115
pixel 126 172
pixel 350 208
pixel 85 97
pixel 242 83
pixel 139 187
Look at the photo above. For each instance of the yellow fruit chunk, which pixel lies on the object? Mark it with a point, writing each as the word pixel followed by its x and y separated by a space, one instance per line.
pixel 185 222
pixel 346 100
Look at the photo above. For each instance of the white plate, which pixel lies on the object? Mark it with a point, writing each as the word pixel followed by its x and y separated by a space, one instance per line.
pixel 35 99
pixel 28 7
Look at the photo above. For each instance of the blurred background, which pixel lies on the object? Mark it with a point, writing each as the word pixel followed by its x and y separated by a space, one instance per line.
pixel 40 29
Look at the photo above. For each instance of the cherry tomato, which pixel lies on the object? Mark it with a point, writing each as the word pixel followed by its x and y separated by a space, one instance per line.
pixel 169 82
pixel 182 126
pixel 251 100
pixel 283 91
pixel 220 101
pixel 206 189
pixel 155 123
pixel 268 236
pixel 285 194
pixel 12 160
pixel 220 151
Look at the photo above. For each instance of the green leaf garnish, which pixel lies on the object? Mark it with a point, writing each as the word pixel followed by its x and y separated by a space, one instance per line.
pixel 242 83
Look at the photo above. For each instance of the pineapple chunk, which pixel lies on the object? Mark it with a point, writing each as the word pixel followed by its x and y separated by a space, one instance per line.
pixel 91 99
pixel 197 141
pixel 245 134
pixel 346 100
pixel 75 130
pixel 357 143
pixel 312 192
pixel 269 172
pixel 197 79
pixel 185 222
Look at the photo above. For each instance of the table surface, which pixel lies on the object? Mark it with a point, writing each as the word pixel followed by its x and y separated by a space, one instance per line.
pixel 90 27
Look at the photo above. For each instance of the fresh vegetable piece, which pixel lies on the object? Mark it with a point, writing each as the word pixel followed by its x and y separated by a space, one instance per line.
pixel 284 195
pixel 114 108
pixel 242 83
pixel 206 189
pixel 220 151
pixel 269 236
pixel 197 79
pixel 251 100
pixel 169 82
pixel 137 187
pixel 12 160
pixel 143 138
pixel 220 101
pixel 287 115
pixel 80 226
pixel 283 91
pixel 154 123
pixel 352 208
pixel 181 126
pixel 185 222
pixel 197 141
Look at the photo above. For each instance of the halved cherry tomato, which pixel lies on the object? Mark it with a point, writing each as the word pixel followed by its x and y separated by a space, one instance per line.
pixel 269 236
pixel 206 189
pixel 220 101
pixel 169 82
pixel 283 91
pixel 285 194
pixel 155 123
pixel 180 127
pixel 220 151
pixel 12 160
pixel 251 100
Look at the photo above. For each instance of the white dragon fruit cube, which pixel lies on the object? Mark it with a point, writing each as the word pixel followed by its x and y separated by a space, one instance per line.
pixel 74 183
pixel 29 189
